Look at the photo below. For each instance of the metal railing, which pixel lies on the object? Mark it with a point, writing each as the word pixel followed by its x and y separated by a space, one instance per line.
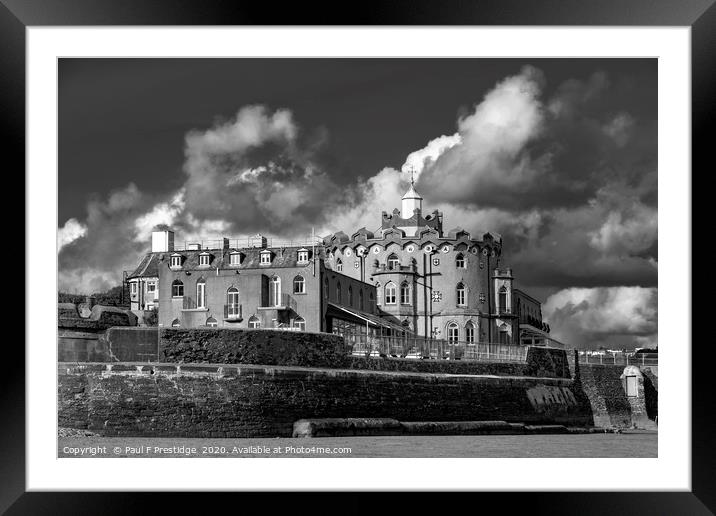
pixel 625 359
pixel 382 267
pixel 437 349
pixel 285 301
pixel 233 311
pixel 243 242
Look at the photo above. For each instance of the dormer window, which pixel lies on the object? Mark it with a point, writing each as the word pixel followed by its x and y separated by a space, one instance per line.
pixel 302 256
pixel 235 258
pixel 204 259
pixel 175 260
pixel 265 258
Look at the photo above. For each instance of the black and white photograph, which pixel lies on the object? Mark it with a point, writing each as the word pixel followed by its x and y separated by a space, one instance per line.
pixel 357 257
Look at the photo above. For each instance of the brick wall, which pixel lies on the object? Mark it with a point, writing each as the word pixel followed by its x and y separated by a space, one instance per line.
pixel 252 401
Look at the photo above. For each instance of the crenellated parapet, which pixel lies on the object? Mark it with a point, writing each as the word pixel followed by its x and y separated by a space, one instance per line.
pixel 428 239
pixel 416 220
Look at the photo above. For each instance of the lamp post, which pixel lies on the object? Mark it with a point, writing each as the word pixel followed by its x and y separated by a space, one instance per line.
pixel 428 303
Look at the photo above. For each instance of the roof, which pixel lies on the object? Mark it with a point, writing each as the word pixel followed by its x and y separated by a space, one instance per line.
pixel 148 267
pixel 412 194
pixel 371 319
pixel 282 257
pixel 528 329
pixel 522 293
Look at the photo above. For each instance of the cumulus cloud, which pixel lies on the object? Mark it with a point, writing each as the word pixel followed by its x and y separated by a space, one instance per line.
pixel 630 230
pixel 418 160
pixel 71 231
pixel 490 154
pixel 619 128
pixel 162 214
pixel 94 261
pixel 518 147
pixel 252 172
pixel 589 318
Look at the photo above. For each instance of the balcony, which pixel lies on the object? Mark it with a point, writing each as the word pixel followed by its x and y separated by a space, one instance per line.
pixel 233 312
pixel 285 302
pixel 386 269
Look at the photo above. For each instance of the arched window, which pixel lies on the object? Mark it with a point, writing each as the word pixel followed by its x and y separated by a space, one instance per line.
pixel 470 332
pixel 177 289
pixel 393 262
pixel 175 323
pixel 338 292
pixel 390 293
pixel 325 288
pixel 460 296
pixel 211 322
pixel 405 293
pixel 460 261
pixel 233 306
pixel 299 323
pixel 339 265
pixel 275 291
pixel 371 300
pixel 360 300
pixel 502 299
pixel 453 332
pixel 201 293
pixel 254 322
pixel 350 295
pixel 299 285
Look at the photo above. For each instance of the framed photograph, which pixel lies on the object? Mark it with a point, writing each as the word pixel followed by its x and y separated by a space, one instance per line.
pixel 411 250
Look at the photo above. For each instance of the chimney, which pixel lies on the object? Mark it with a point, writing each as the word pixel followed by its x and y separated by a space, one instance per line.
pixel 162 241
pixel 90 301
pixel 259 240
pixel 225 243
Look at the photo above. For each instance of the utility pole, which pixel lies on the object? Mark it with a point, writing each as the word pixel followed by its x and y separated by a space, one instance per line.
pixel 425 294
pixel 489 301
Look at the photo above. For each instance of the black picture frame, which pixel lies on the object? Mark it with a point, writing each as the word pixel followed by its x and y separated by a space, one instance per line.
pixel 16 15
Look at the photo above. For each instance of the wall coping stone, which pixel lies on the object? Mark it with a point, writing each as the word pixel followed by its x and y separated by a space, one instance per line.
pixel 169 369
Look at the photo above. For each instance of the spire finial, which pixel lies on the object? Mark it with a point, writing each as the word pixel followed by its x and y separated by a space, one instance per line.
pixel 411 169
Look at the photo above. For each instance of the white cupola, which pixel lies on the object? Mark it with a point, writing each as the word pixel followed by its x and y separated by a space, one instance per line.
pixel 411 202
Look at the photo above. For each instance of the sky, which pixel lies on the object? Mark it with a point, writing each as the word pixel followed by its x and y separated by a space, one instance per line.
pixel 559 156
